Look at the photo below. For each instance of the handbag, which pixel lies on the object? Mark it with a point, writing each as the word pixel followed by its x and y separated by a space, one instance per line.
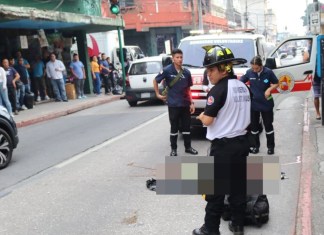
pixel 166 89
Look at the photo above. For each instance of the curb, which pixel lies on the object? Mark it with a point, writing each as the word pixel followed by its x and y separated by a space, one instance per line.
pixel 68 111
pixel 303 222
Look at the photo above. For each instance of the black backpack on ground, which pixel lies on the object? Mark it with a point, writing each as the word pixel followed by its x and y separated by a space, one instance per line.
pixel 256 213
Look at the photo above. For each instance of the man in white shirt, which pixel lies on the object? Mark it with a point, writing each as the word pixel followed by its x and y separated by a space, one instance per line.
pixel 54 71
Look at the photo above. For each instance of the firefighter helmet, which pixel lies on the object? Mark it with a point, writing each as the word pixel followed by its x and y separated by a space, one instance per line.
pixel 220 55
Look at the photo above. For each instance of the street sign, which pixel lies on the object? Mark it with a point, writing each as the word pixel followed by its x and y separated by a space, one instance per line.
pixel 315 23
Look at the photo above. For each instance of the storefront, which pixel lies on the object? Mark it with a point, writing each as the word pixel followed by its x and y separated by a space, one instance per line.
pixel 37 32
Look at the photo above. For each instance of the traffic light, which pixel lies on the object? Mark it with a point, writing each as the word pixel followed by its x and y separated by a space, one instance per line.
pixel 114 7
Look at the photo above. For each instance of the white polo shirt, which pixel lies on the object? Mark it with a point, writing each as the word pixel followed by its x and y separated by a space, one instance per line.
pixel 229 102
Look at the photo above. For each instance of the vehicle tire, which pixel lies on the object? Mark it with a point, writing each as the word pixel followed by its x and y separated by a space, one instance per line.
pixel 132 103
pixel 6 149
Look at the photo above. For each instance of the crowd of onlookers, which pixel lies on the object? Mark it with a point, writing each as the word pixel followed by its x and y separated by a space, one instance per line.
pixel 45 78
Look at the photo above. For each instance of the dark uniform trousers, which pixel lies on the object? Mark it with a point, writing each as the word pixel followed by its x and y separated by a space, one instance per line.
pixel 230 178
pixel 267 118
pixel 180 116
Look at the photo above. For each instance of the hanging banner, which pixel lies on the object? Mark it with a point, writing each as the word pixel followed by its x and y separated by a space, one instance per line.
pixel 23 42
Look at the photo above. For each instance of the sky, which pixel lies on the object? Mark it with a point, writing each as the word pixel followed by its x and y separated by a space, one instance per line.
pixel 288 14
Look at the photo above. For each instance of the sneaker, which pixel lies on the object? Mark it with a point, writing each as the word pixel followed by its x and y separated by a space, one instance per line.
pixel 47 98
pixel 16 112
pixel 38 99
pixel 83 97
pixel 24 107
pixel 12 115
pixel 79 97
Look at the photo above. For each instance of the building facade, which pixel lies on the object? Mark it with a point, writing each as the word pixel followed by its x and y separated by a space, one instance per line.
pixel 37 28
pixel 151 23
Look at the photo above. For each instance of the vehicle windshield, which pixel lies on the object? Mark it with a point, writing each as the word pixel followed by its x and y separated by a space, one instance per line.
pixel 193 52
pixel 152 67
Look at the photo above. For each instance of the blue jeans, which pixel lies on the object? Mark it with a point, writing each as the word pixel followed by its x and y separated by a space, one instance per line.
pixel 21 94
pixel 97 84
pixel 4 98
pixel 59 89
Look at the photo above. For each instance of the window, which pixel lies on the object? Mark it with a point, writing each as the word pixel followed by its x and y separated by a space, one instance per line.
pixel 151 67
pixel 293 52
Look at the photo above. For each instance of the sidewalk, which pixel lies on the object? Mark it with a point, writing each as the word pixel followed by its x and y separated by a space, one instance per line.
pixel 46 110
pixel 311 194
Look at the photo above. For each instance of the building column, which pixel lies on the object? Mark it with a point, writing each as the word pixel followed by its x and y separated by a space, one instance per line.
pixel 152 42
pixel 84 57
pixel 179 35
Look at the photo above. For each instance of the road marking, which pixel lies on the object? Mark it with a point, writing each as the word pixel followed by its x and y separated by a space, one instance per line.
pixel 298 160
pixel 108 142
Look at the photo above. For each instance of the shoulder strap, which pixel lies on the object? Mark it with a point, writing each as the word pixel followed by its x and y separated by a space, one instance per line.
pixel 176 78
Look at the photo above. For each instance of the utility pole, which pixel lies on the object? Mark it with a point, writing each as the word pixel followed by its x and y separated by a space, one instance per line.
pixel 246 16
pixel 200 22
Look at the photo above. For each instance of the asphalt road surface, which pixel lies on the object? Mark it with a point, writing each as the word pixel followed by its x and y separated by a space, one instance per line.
pixel 85 174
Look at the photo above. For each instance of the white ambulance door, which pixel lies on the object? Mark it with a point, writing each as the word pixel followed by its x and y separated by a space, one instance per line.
pixel 293 62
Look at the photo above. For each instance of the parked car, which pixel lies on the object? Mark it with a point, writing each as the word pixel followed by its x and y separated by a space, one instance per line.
pixel 139 80
pixel 8 137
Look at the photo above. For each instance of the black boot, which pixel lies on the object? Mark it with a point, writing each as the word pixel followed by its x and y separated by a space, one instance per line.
pixel 236 229
pixel 204 231
pixel 173 153
pixel 191 151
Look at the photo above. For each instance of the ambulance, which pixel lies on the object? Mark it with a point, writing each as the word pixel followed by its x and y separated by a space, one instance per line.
pixel 286 60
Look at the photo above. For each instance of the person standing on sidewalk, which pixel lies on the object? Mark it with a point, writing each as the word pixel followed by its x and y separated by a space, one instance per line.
pixel 227 117
pixel 4 91
pixel 262 82
pixel 104 72
pixel 95 70
pixel 54 71
pixel 77 69
pixel 12 76
pixel 25 87
pixel 316 84
pixel 179 100
pixel 38 78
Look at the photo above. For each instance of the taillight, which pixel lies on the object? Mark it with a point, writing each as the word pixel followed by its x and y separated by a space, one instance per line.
pixel 127 80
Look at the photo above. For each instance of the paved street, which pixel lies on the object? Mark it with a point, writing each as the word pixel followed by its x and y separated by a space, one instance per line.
pixel 85 173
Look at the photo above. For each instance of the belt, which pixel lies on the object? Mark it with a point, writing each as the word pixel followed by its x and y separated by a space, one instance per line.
pixel 225 140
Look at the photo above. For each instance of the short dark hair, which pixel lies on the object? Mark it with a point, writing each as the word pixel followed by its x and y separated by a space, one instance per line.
pixel 176 51
pixel 256 60
pixel 75 54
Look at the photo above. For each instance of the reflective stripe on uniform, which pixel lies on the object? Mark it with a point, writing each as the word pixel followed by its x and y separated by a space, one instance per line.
pixel 268 133
pixel 255 132
pixel 186 133
pixel 174 134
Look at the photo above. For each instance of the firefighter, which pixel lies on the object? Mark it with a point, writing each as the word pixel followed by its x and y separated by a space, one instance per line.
pixel 227 117
pixel 262 82
pixel 180 104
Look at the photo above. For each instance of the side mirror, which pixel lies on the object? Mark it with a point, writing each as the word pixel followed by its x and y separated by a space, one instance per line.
pixel 271 63
pixel 140 56
pixel 283 55
pixel 166 60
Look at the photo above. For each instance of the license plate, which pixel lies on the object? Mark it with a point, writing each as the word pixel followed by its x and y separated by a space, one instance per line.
pixel 145 95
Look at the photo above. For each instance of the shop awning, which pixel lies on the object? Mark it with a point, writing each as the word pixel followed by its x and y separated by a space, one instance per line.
pixel 30 18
